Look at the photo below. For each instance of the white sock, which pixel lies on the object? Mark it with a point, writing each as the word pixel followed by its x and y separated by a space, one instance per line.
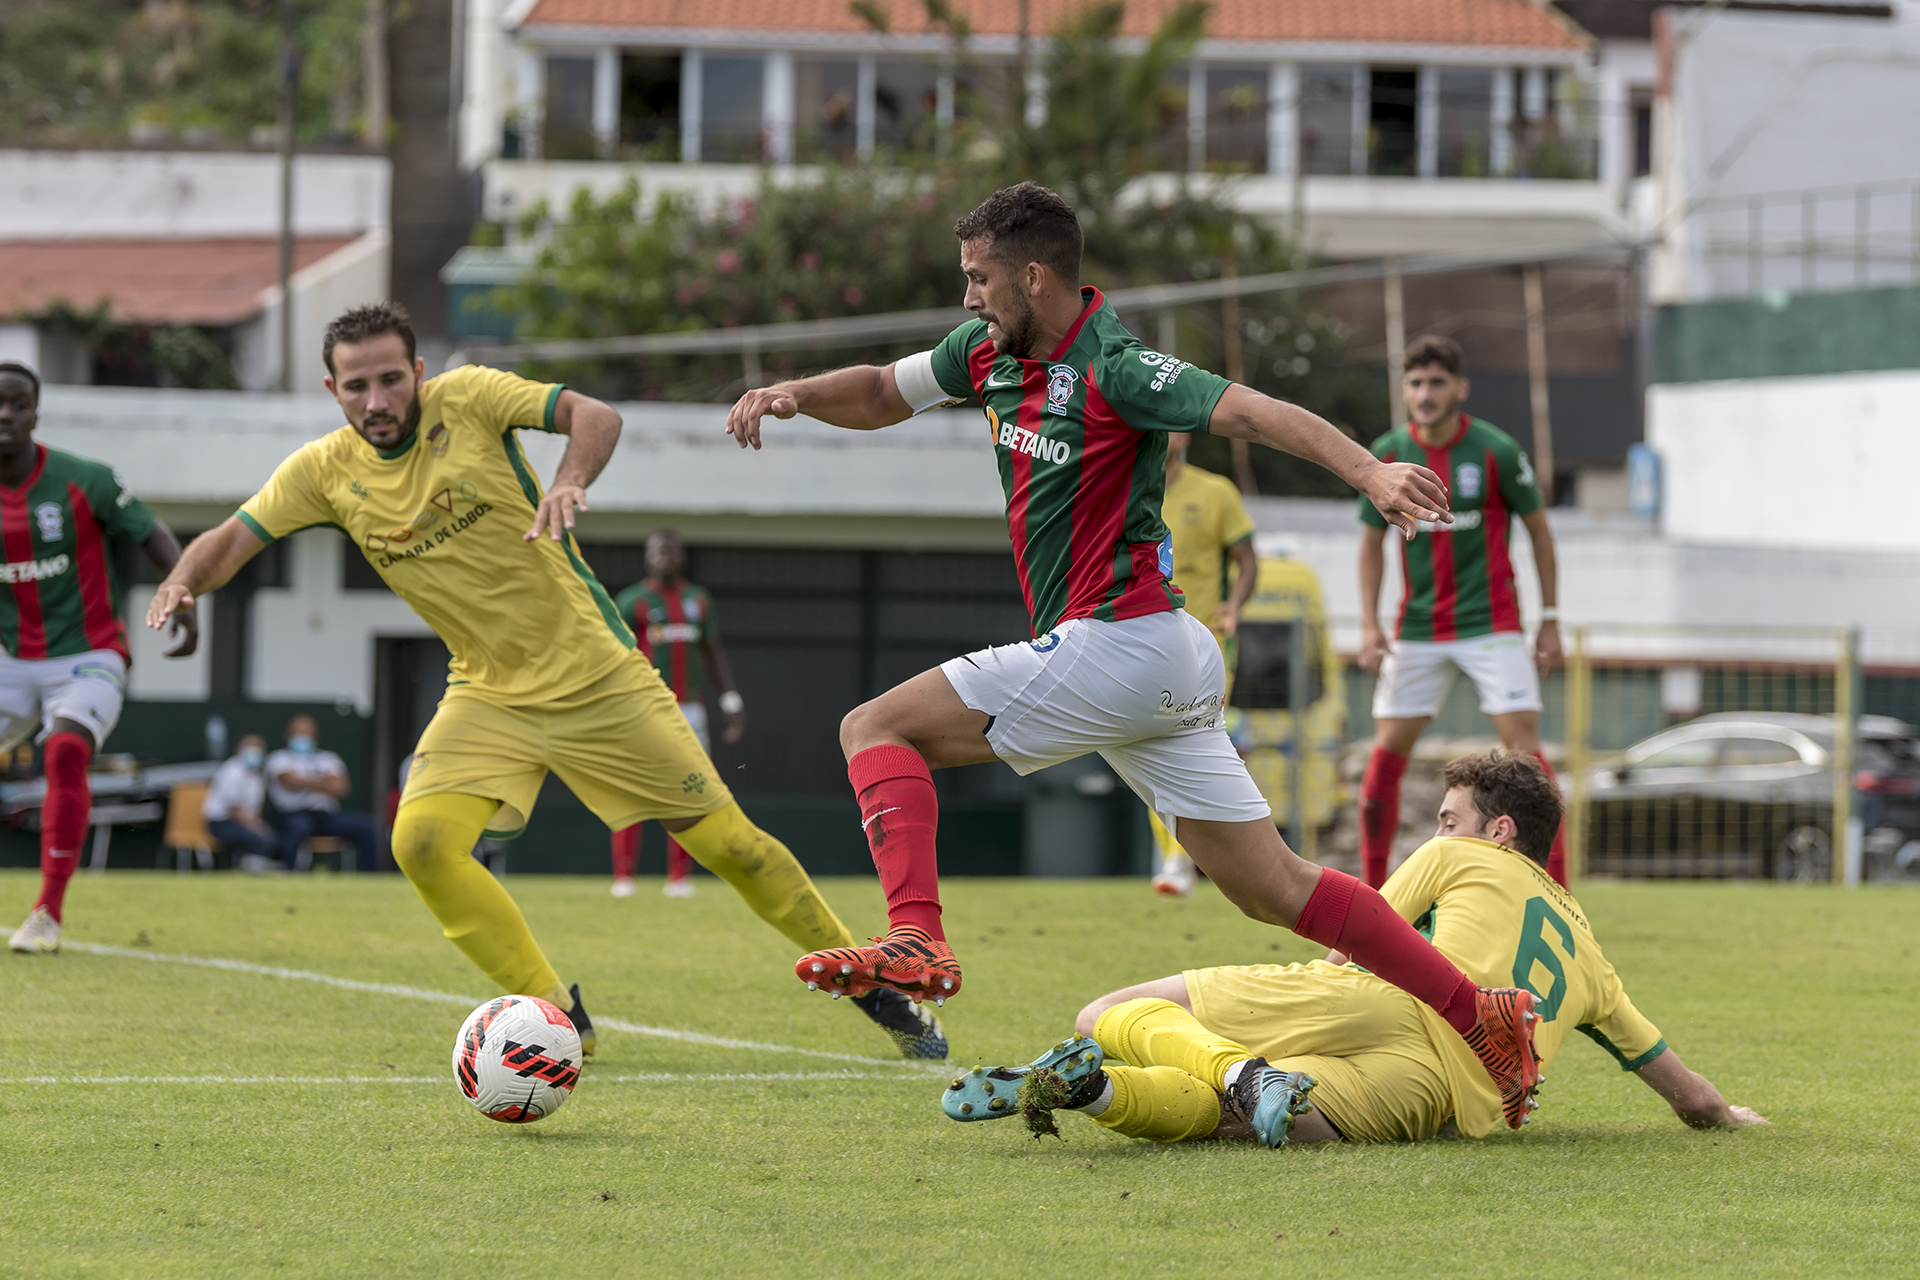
pixel 1102 1102
pixel 1233 1071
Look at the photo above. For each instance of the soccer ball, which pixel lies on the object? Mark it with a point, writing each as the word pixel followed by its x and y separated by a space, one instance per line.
pixel 516 1059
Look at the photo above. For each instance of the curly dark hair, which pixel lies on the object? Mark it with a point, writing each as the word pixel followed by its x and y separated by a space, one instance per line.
pixel 1431 348
pixel 1028 223
pixel 1515 784
pixel 369 321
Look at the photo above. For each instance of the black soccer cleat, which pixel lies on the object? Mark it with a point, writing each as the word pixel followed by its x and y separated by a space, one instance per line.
pixel 914 1028
pixel 581 1022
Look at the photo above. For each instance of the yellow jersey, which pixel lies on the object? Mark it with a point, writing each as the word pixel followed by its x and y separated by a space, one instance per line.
pixel 1499 916
pixel 440 518
pixel 1204 516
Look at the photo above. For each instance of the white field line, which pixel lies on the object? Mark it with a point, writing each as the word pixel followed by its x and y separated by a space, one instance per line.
pixel 454 998
pixel 654 1077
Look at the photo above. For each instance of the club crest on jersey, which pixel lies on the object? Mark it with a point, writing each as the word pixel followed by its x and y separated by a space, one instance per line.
pixel 1060 381
pixel 438 439
pixel 1467 478
pixel 52 521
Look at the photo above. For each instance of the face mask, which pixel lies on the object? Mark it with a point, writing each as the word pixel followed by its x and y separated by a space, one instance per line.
pixel 253 757
pixel 301 744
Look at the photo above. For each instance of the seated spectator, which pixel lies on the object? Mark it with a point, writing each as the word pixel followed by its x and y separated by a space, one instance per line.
pixel 307 785
pixel 232 808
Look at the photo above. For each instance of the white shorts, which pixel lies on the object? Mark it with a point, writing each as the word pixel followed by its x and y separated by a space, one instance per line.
pixel 1148 694
pixel 1415 677
pixel 87 688
pixel 696 714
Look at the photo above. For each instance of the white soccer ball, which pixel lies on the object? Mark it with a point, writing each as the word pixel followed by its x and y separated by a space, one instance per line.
pixel 516 1059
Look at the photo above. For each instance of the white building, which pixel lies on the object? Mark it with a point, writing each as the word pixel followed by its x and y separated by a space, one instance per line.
pixel 185 238
pixel 1392 126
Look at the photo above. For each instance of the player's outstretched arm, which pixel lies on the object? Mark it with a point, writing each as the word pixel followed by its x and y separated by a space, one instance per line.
pixel 1693 1097
pixel 164 550
pixel 1404 493
pixel 209 561
pixel 861 397
pixel 592 428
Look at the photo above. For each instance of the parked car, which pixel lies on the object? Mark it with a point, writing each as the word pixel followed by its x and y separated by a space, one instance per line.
pixel 1750 794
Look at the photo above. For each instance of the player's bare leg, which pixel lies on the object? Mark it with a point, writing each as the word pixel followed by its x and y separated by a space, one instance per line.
pixel 1258 873
pixel 892 743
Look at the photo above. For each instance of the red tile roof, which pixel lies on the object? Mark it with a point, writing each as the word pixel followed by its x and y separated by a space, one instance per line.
pixel 1521 23
pixel 210 282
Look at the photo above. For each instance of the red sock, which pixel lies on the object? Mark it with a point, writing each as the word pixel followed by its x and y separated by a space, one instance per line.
pixel 900 813
pixel 626 852
pixel 1557 859
pixel 679 861
pixel 63 819
pixel 1345 915
pixel 1379 813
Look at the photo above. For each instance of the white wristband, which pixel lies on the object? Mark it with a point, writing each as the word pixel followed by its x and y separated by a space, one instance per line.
pixel 732 703
pixel 1550 614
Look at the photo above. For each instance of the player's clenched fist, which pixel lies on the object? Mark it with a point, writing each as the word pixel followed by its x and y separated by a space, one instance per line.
pixel 743 421
pixel 1407 494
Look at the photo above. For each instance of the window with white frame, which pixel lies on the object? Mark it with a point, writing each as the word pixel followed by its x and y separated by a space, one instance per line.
pixel 732 115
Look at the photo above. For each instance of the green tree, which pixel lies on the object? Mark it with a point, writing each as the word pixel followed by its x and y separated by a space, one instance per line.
pixel 103 70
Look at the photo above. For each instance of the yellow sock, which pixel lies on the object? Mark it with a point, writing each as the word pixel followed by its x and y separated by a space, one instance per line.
pixel 1162 1103
pixel 433 840
pixel 762 871
pixel 1162 838
pixel 1159 1033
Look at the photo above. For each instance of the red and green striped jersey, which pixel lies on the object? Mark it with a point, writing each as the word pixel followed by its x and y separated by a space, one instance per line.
pixel 671 620
pixel 1459 576
pixel 1081 441
pixel 61 596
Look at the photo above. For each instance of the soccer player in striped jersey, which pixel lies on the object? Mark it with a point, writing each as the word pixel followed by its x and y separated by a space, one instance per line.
pixel 1077 413
pixel 64 672
pixel 673 621
pixel 1461 610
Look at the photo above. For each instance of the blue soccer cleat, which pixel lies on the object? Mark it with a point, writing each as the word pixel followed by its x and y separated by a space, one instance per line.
pixel 1268 1099
pixel 993 1093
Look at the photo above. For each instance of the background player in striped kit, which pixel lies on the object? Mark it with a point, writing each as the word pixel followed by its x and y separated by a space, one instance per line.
pixel 672 619
pixel 1461 610
pixel 65 668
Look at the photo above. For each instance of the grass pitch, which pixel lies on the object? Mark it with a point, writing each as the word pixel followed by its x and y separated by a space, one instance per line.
pixel 166 1119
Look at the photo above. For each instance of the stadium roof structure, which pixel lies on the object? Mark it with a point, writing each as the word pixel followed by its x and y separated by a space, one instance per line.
pixel 215 282
pixel 1474 23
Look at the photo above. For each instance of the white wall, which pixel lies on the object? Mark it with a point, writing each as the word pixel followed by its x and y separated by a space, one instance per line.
pixel 154 677
pixel 356 274
pixel 1820 462
pixel 66 195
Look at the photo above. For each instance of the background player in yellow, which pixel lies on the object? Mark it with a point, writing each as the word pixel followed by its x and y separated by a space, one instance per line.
pixel 1325 1050
pixel 430 483
pixel 1211 533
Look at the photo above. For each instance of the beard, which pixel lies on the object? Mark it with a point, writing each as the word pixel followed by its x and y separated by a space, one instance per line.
pixel 1017 330
pixel 407 423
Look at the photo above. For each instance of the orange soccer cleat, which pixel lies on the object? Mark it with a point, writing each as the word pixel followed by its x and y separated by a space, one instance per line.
pixel 907 960
pixel 1502 1039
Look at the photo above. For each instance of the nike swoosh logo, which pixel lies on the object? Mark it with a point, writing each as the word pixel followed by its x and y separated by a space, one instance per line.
pixel 882 813
pixel 992 383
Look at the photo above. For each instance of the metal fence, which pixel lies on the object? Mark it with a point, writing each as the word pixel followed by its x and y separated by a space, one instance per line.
pixel 1732 752
pixel 1848 237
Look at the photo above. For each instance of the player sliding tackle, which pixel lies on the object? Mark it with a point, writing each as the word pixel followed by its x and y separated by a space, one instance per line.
pixel 1326 1051
pixel 1078 412
pixel 430 483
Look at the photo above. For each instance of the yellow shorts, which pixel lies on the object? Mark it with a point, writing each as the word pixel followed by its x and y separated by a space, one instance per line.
pixel 620 744
pixel 1376 1074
